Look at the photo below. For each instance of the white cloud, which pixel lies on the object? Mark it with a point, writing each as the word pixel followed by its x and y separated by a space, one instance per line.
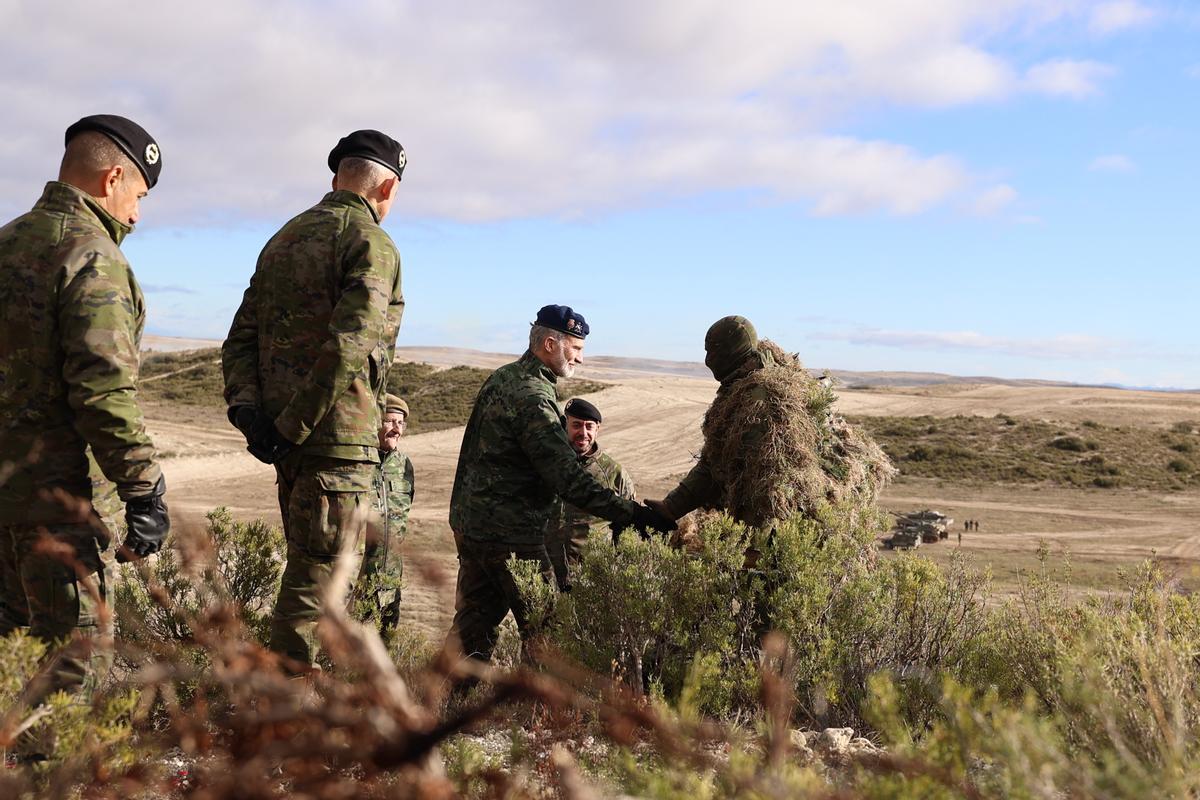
pixel 518 109
pixel 1114 162
pixel 1066 346
pixel 1118 15
pixel 1065 77
pixel 1194 71
pixel 994 200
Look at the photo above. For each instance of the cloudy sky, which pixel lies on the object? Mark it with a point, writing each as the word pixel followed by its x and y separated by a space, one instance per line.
pixel 997 187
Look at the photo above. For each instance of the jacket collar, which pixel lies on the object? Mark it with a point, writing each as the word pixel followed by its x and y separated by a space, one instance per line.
pixel 533 365
pixel 64 198
pixel 344 197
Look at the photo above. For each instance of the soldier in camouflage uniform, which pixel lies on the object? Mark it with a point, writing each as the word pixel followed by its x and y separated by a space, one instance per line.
pixel 69 337
pixel 570 526
pixel 305 366
pixel 731 352
pixel 515 459
pixel 380 578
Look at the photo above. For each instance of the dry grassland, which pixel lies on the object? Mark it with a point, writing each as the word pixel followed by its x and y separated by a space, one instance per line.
pixel 652 425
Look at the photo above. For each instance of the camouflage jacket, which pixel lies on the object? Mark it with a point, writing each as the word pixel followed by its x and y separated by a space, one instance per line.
pixel 701 487
pixel 571 522
pixel 516 458
pixel 394 490
pixel 315 335
pixel 69 334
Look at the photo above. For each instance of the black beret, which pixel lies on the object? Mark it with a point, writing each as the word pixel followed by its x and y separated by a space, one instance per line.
pixel 127 135
pixel 565 319
pixel 582 409
pixel 371 145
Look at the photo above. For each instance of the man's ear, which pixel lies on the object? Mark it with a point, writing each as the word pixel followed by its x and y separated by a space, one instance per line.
pixel 389 187
pixel 112 179
pixel 333 183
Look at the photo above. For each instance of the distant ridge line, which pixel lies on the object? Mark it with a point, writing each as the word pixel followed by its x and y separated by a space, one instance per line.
pixel 847 379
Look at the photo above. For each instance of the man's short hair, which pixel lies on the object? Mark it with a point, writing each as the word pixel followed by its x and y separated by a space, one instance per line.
pixel 362 173
pixel 540 333
pixel 92 151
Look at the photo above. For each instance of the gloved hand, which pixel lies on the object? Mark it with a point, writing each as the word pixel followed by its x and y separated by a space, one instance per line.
pixel 263 441
pixel 148 523
pixel 647 519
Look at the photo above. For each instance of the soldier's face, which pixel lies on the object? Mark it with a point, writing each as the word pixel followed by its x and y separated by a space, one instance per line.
pixel 582 433
pixel 394 424
pixel 565 354
pixel 126 190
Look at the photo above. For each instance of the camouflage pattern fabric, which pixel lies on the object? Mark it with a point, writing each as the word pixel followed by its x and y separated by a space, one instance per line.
pixel 55 602
pixel 570 526
pixel 314 338
pixel 700 488
pixel 487 592
pixel 325 502
pixel 70 425
pixel 516 458
pixel 311 345
pixel 381 577
pixel 69 336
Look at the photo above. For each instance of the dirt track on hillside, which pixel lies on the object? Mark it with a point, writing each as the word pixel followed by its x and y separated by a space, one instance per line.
pixel 652 425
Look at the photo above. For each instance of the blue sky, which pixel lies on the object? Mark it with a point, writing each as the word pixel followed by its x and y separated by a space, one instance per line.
pixel 990 188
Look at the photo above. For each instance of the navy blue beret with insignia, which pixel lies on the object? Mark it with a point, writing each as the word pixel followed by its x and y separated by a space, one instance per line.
pixel 563 318
pixel 371 145
pixel 582 409
pixel 127 135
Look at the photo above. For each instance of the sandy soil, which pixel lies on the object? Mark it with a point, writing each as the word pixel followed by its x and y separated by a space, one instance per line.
pixel 652 425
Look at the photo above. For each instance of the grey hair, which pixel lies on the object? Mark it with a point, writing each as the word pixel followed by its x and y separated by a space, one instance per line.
pixel 361 173
pixel 540 333
pixel 92 151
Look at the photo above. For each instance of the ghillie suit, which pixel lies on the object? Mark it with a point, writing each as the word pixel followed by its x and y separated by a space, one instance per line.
pixel 776 447
pixel 773 447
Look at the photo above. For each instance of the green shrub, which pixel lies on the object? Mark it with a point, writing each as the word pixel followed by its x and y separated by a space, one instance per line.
pixel 1182 447
pixel 1179 465
pixel 236 561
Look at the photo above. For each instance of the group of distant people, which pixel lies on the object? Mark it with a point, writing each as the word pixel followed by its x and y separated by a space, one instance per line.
pixel 971 525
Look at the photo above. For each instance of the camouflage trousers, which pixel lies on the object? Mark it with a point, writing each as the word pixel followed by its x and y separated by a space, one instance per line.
pixel 376 594
pixel 565 547
pixel 486 592
pixel 42 592
pixel 326 503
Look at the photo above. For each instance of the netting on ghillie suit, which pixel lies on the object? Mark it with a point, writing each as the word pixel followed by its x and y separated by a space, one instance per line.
pixel 776 448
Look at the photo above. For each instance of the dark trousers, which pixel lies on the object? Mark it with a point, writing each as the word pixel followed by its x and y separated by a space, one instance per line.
pixel 487 591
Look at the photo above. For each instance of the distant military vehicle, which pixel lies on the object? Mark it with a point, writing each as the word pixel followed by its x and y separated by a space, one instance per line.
pixel 903 540
pixel 919 526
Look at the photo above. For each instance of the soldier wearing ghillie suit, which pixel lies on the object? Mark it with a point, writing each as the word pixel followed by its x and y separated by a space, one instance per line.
pixel 379 582
pixel 772 445
pixel 570 526
pixel 305 365
pixel 515 459
pixel 69 339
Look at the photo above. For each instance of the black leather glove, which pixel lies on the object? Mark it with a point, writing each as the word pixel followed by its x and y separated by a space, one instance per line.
pixel 263 441
pixel 647 519
pixel 148 523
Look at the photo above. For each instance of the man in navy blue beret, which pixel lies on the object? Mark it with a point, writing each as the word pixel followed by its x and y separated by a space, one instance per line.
pixel 515 461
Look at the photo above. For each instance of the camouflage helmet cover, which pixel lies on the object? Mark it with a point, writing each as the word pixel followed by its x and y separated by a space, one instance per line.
pixel 727 345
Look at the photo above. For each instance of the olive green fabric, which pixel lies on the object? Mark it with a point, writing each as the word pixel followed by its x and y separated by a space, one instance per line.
pixel 570 526
pixel 71 325
pixel 325 502
pixel 487 591
pixel 52 599
pixel 381 577
pixel 728 343
pixel 315 335
pixel 516 458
